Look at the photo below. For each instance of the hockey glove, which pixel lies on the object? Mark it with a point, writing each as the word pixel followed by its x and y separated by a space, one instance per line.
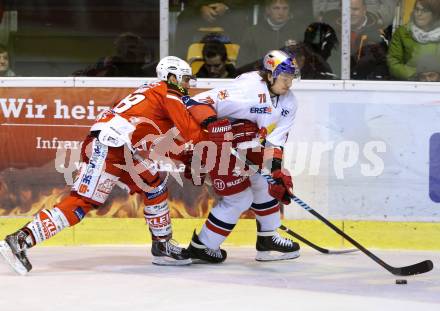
pixel 282 188
pixel 220 131
pixel 243 131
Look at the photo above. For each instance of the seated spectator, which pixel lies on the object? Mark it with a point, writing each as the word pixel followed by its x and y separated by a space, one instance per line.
pixel 200 16
pixel 414 52
pixel 320 40
pixel 369 44
pixel 215 62
pixel 311 64
pixel 128 61
pixel 270 33
pixel 5 71
pixel 383 10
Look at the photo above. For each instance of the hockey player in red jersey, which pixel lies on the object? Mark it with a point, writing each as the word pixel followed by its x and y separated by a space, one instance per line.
pixel 140 118
pixel 265 102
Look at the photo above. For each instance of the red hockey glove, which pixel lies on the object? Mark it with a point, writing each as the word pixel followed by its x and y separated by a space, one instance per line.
pixel 243 130
pixel 282 188
pixel 220 131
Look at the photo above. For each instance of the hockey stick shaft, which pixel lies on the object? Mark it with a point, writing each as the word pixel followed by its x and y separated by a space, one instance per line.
pixel 314 246
pixel 417 268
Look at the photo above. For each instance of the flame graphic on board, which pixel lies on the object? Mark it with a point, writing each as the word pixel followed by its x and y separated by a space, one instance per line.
pixel 28 203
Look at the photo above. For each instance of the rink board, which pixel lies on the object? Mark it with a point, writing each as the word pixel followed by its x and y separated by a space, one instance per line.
pixel 359 150
pixel 376 234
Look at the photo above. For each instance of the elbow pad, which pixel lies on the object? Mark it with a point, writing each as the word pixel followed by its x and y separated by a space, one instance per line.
pixel 199 111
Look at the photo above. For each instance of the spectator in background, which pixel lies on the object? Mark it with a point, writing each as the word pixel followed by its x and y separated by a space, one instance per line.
pixel 228 16
pixel 215 62
pixel 320 40
pixel 271 33
pixel 311 64
pixel 5 71
pixel 128 61
pixel 328 10
pixel 414 52
pixel 369 44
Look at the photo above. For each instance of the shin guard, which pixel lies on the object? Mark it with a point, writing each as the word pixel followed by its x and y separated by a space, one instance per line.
pixel 158 219
pixel 70 211
pixel 46 224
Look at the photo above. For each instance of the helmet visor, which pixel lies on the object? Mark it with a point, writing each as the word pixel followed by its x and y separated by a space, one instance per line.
pixel 288 67
pixel 192 80
pixel 295 77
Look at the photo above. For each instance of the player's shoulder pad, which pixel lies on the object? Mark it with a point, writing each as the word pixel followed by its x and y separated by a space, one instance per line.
pixel 190 102
pixel 176 90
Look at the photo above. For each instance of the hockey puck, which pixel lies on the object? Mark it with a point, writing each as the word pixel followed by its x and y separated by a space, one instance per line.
pixel 401 282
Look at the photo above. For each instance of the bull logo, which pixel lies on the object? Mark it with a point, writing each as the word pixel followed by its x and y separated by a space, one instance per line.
pixel 271 62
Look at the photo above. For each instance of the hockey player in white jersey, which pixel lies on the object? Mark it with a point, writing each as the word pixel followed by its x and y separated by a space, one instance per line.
pixel 257 101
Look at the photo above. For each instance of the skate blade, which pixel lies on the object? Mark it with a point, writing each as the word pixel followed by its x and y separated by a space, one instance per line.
pixel 275 256
pixel 198 261
pixel 10 258
pixel 167 261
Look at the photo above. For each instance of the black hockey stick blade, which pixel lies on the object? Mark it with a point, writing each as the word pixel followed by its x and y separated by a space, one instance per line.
pixel 418 268
pixel 314 246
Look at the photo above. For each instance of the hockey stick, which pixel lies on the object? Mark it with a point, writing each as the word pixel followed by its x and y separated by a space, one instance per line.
pixel 418 268
pixel 314 246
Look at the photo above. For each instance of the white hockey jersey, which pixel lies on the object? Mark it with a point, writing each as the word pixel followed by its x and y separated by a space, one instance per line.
pixel 249 98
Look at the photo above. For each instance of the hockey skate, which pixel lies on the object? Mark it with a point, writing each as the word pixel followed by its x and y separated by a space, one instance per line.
pixel 271 246
pixel 200 253
pixel 168 253
pixel 13 250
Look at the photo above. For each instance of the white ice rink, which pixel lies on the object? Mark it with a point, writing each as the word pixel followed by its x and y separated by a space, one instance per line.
pixel 123 279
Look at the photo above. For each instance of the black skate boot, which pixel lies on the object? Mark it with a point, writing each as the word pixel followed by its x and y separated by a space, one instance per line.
pixel 200 253
pixel 272 246
pixel 168 253
pixel 13 249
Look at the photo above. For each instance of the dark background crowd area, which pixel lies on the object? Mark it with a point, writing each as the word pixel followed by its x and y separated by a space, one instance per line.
pixel 58 38
pixel 110 38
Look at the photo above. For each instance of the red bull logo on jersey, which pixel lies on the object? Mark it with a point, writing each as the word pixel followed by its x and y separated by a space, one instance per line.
pixel 223 94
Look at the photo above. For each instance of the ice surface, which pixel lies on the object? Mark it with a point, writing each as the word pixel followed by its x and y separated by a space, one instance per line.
pixel 122 278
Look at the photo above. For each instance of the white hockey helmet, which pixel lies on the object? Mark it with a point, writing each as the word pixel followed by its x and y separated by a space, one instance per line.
pixel 173 65
pixel 278 62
